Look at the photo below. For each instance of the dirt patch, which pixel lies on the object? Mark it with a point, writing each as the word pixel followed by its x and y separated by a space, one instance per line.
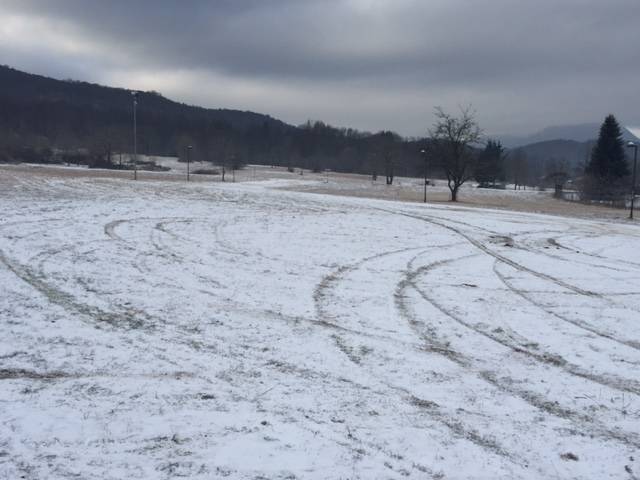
pixel 502 240
pixel 20 373
pixel 569 456
pixel 519 201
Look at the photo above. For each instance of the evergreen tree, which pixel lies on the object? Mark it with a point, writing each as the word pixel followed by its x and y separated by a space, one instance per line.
pixel 490 164
pixel 608 162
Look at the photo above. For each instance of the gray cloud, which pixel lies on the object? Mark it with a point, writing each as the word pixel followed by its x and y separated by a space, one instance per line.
pixel 371 64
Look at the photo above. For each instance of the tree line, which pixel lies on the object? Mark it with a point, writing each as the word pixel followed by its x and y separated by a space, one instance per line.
pixel 47 120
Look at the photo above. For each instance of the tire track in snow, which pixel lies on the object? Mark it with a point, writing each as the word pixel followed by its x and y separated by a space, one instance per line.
pixel 322 288
pixel 298 320
pixel 478 244
pixel 620 384
pixel 582 325
pixel 328 280
pixel 160 245
pixel 576 290
pixel 551 359
pixel 604 230
pixel 139 261
pixel 431 408
pixel 28 222
pixel 498 257
pixel 481 246
pixel 218 225
pixel 500 382
pixel 161 226
pixel 130 320
pixel 36 278
pixel 326 376
pixel 110 229
pixel 552 242
pixel 625 263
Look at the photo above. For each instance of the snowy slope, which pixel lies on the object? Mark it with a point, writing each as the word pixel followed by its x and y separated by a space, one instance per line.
pixel 161 329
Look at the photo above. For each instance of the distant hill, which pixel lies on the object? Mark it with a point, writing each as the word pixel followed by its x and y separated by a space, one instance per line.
pixel 578 133
pixel 70 114
pixel 27 88
pixel 569 153
pixel 41 117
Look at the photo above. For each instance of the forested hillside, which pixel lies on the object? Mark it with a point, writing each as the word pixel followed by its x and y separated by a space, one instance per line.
pixel 40 115
pixel 43 119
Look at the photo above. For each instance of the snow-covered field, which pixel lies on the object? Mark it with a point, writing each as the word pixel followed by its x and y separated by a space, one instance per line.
pixel 157 329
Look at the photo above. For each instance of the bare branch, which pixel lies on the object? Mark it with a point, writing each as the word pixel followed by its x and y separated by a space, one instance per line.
pixel 452 138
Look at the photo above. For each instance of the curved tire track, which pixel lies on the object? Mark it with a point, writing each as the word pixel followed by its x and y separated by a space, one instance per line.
pixel 481 246
pixel 438 346
pixel 550 359
pixel 432 409
pixel 70 303
pixel 577 323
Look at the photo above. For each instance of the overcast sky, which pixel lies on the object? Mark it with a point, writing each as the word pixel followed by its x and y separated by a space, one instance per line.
pixel 368 64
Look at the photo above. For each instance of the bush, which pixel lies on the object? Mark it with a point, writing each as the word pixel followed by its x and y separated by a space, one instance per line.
pixel 28 155
pixel 206 171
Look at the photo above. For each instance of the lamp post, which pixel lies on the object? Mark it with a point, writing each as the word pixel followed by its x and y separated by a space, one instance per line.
pixel 633 181
pixel 189 147
pixel 424 154
pixel 135 136
pixel 233 169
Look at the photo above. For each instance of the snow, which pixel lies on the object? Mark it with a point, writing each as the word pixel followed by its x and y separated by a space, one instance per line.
pixel 157 329
pixel 175 165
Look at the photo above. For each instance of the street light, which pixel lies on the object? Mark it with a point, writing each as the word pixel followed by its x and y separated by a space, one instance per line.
pixel 424 154
pixel 135 136
pixel 189 147
pixel 633 184
pixel 233 169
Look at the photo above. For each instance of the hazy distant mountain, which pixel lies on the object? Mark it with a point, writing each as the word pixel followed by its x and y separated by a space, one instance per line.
pixel 569 153
pixel 577 133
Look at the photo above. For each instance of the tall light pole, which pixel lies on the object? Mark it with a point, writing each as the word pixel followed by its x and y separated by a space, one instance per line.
pixel 189 147
pixel 233 169
pixel 424 154
pixel 633 181
pixel 135 136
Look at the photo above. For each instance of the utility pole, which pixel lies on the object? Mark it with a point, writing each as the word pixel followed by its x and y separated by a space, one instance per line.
pixel 135 136
pixel 188 159
pixel 633 181
pixel 424 154
pixel 233 169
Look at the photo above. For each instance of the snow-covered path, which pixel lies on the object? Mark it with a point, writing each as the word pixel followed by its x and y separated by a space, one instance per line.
pixel 159 329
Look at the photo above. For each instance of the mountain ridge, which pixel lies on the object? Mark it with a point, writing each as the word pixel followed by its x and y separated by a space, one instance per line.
pixel 18 84
pixel 581 132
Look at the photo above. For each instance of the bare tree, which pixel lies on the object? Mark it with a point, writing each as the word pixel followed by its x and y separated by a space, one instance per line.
pixel 387 149
pixel 520 169
pixel 389 168
pixel 452 138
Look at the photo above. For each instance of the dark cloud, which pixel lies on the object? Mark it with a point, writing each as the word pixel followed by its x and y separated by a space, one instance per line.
pixel 367 63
